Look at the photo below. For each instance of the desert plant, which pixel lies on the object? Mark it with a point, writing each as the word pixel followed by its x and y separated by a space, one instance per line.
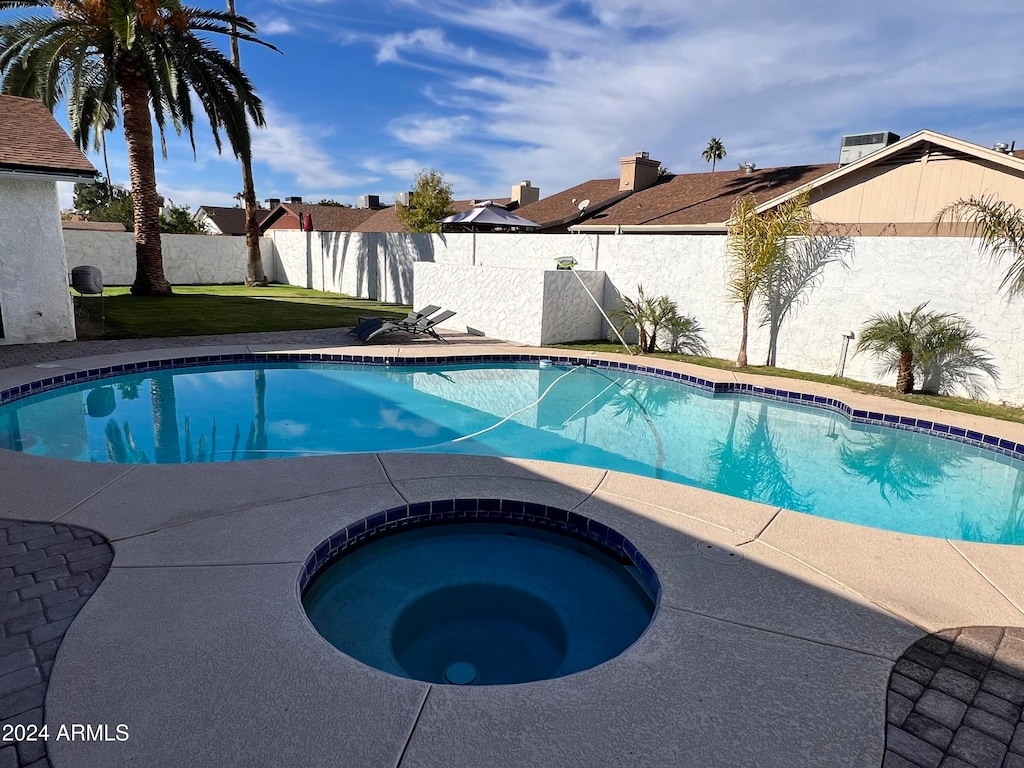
pixel 940 347
pixel 651 316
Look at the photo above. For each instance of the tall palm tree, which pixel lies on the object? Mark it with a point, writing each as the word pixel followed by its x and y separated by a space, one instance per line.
pixel 715 151
pixel 147 54
pixel 1000 228
pixel 254 273
pixel 756 245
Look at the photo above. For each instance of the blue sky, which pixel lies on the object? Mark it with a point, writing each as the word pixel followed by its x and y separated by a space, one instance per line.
pixel 367 92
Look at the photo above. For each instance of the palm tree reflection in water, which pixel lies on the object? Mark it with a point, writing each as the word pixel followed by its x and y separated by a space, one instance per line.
pixel 751 464
pixel 122 447
pixel 905 468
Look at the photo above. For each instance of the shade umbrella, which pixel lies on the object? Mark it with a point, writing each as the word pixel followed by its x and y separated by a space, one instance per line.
pixel 489 214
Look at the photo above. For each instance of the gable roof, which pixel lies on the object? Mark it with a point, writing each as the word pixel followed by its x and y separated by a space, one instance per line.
pixel 326 218
pixel 33 143
pixel 386 219
pixel 562 208
pixel 697 199
pixel 230 220
pixel 922 141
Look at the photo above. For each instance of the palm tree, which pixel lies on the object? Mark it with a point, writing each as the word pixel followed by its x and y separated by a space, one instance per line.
pixel 715 151
pixel 1000 228
pixel 254 273
pixel 756 245
pixel 920 342
pixel 147 55
pixel 651 316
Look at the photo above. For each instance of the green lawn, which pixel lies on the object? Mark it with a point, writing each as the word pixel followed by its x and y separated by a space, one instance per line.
pixel 976 407
pixel 211 309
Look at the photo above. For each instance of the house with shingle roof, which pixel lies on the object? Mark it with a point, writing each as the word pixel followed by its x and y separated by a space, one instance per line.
pixel 386 219
pixel 226 220
pixel 35 153
pixel 319 218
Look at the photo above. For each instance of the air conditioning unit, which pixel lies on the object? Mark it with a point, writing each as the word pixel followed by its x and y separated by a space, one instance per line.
pixel 368 201
pixel 858 145
pixel 403 198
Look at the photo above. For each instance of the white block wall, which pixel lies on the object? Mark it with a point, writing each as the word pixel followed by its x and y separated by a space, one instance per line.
pixel 527 306
pixel 34 299
pixel 188 259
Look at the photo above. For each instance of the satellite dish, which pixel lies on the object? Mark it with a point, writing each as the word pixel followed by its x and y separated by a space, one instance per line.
pixel 583 205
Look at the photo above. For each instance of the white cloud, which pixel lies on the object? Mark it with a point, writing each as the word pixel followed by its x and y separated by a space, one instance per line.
pixel 779 83
pixel 430 131
pixel 294 148
pixel 274 25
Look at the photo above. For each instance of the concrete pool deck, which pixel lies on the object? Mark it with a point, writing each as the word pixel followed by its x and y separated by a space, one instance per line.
pixel 197 642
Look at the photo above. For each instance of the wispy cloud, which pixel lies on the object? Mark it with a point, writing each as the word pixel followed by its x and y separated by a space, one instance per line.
pixel 295 148
pixel 430 131
pixel 274 25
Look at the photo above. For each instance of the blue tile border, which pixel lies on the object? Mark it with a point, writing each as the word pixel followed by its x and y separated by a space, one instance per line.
pixel 442 511
pixel 992 443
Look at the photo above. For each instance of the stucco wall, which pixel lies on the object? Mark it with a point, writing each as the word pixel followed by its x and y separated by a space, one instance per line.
pixel 34 299
pixel 527 306
pixel 188 259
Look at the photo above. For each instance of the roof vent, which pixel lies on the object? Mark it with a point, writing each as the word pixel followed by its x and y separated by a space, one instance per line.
pixel 1001 146
pixel 293 200
pixel 857 145
pixel 749 167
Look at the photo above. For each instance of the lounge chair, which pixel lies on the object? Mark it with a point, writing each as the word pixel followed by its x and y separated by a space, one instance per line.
pixel 424 325
pixel 372 323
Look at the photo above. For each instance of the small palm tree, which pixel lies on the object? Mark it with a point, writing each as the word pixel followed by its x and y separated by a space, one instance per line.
pixel 715 151
pixel 1000 228
pixel 940 347
pixel 148 55
pixel 651 316
pixel 756 245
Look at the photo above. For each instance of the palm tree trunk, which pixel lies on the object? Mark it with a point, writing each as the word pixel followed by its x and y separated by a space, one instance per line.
pixel 905 374
pixel 166 441
pixel 741 359
pixel 713 164
pixel 255 274
pixel 138 134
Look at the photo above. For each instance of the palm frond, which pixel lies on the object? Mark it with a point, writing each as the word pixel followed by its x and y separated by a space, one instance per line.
pixel 999 228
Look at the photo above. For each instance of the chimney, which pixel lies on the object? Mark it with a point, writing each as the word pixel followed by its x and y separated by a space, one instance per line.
pixel 638 172
pixel 273 202
pixel 293 200
pixel 524 194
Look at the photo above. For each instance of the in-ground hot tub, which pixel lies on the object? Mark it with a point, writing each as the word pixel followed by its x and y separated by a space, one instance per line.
pixel 481 592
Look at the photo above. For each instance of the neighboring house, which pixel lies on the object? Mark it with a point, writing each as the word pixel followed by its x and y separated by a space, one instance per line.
pixel 386 219
pixel 897 191
pixel 224 220
pixel 35 153
pixel 318 218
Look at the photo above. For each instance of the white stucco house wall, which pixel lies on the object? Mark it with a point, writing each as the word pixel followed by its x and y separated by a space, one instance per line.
pixel 35 153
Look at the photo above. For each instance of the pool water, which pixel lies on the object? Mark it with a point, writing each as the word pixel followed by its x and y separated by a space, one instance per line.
pixel 482 603
pixel 788 456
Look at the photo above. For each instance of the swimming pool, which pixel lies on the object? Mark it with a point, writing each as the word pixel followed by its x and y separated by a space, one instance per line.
pixel 809 459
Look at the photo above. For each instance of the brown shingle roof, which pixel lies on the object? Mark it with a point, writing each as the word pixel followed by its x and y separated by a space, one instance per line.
pixel 563 207
pixel 386 219
pixel 229 220
pixel 705 198
pixel 326 218
pixel 31 141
